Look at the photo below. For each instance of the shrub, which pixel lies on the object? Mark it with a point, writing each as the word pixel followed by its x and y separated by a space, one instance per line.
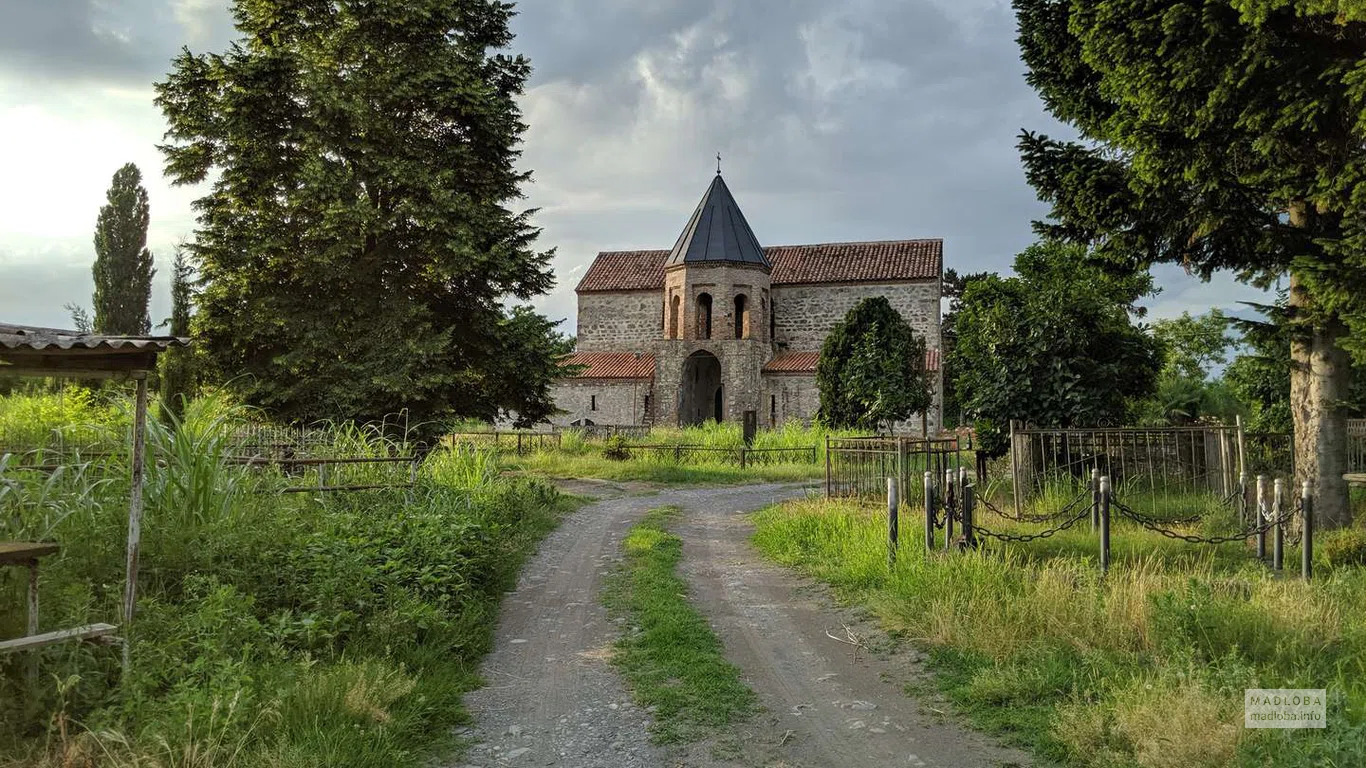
pixel 1344 547
pixel 616 449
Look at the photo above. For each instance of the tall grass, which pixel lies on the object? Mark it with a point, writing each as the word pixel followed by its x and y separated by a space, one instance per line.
pixel 577 456
pixel 286 630
pixel 1145 666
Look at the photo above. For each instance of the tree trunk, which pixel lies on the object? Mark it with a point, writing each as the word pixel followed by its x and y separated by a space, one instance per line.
pixel 1320 374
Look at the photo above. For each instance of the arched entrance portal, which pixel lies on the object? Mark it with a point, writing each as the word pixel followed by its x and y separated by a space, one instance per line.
pixel 700 396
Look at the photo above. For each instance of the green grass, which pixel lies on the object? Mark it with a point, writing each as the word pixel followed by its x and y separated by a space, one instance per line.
pixel 296 631
pixel 673 661
pixel 1144 667
pixel 579 457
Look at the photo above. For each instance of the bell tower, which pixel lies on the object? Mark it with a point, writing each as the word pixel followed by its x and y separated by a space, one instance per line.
pixel 716 312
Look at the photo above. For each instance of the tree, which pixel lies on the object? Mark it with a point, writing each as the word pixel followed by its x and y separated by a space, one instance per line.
pixel 1192 347
pixel 357 245
pixel 174 365
pixel 1056 346
pixel 954 287
pixel 1260 375
pixel 1220 136
pixel 123 265
pixel 872 372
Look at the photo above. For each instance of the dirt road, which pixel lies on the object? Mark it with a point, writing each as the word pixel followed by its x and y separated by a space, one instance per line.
pixel 553 698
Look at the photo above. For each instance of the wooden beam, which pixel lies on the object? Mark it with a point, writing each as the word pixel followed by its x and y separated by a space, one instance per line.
pixel 26 552
pixel 31 642
pixel 130 587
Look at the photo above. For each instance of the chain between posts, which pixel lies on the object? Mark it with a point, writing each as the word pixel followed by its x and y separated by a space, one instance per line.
pixel 1152 525
pixel 1023 538
pixel 1036 518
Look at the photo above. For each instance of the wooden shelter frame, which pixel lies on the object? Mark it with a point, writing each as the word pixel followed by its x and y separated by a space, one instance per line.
pixel 49 352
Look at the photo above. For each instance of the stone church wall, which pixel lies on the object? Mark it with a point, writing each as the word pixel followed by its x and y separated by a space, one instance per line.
pixel 794 397
pixel 624 321
pixel 602 401
pixel 804 314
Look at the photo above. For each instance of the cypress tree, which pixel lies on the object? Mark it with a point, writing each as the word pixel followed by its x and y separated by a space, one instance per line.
pixel 123 265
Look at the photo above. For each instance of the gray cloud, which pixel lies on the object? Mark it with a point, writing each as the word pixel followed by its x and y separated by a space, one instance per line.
pixel 838 121
pixel 128 41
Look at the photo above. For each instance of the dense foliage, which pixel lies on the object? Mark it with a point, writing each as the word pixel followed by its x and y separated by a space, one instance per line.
pixel 954 287
pixel 175 366
pixel 1187 391
pixel 1055 346
pixel 123 265
pixel 872 370
pixel 1260 375
pixel 1220 136
pixel 358 241
pixel 295 630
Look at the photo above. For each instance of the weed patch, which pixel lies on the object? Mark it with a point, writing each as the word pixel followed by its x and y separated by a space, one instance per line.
pixel 672 659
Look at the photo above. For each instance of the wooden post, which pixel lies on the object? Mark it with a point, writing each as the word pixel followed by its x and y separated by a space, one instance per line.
pixel 1307 531
pixel 1278 542
pixel 929 512
pixel 130 587
pixel 31 629
pixel 1261 516
pixel 1242 451
pixel 893 503
pixel 1242 499
pixel 1105 524
pixel 742 458
pixel 828 488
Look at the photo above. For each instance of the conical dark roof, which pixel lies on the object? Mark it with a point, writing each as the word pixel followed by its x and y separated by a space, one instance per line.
pixel 718 232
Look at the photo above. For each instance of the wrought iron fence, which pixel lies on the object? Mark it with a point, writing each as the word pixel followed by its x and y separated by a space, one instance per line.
pixel 860 466
pixel 744 457
pixel 604 431
pixel 522 442
pixel 1166 460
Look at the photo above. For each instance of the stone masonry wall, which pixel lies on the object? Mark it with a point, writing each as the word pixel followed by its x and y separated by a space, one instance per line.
pixel 625 321
pixel 617 401
pixel 804 314
pixel 793 397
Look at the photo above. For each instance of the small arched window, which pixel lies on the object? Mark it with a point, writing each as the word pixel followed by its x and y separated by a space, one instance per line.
pixel 675 307
pixel 704 315
pixel 741 316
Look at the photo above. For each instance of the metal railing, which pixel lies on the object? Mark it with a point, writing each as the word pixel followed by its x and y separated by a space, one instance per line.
pixel 522 442
pixel 744 457
pixel 860 466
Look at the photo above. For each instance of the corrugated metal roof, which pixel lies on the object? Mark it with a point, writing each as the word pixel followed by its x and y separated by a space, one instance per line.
pixel 805 362
pixel 36 339
pixel 881 261
pixel 717 232
pixel 613 365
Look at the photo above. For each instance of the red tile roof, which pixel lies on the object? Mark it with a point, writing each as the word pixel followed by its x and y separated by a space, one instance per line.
pixel 613 365
pixel 886 261
pixel 805 362
pixel 793 362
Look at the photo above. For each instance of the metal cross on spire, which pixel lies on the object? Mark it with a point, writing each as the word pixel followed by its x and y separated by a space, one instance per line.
pixel 718 163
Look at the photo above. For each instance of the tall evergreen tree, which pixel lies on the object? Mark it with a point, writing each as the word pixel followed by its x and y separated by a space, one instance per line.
pixel 123 265
pixel 357 244
pixel 174 365
pixel 1221 135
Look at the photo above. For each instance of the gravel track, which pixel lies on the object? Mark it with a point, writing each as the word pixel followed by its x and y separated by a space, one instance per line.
pixel 552 697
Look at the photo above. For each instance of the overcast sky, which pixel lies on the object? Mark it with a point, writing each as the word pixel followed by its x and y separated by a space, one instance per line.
pixel 836 120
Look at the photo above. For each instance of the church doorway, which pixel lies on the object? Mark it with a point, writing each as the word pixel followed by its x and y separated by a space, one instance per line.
pixel 700 396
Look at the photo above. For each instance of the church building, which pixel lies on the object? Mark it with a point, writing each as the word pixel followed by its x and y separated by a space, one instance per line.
pixel 721 324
